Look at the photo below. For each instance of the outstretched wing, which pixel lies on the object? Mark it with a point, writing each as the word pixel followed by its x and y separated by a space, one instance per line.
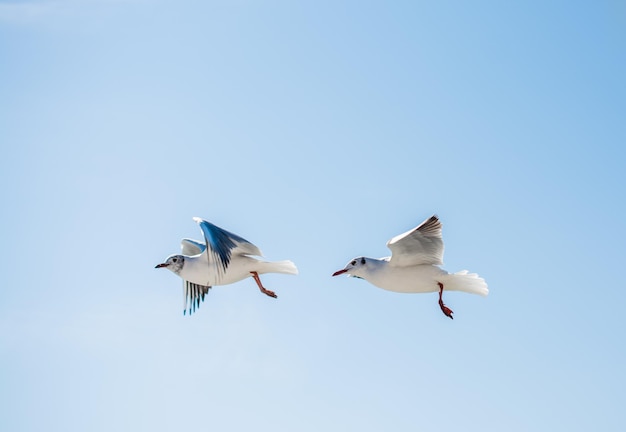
pixel 421 245
pixel 221 245
pixel 192 247
pixel 193 294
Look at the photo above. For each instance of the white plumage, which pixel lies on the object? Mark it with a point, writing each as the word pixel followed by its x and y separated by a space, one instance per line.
pixel 222 259
pixel 414 266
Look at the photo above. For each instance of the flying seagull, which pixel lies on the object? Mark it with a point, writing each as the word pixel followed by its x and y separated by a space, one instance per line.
pixel 222 259
pixel 414 266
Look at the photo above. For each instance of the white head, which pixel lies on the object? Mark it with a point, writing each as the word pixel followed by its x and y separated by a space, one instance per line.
pixel 173 263
pixel 357 267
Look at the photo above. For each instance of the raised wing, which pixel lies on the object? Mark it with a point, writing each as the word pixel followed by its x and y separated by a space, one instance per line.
pixel 193 293
pixel 221 244
pixel 192 247
pixel 421 245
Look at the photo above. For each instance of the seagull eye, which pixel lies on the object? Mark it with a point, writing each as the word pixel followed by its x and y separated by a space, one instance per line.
pixel 175 259
pixel 353 262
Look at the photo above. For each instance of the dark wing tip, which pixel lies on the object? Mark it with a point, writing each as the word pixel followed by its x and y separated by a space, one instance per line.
pixel 194 295
pixel 431 226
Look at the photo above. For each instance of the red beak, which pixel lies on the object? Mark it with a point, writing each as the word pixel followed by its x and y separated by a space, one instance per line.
pixel 338 272
pixel 161 265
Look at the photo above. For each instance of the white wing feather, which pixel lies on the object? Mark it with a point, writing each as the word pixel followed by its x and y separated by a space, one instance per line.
pixel 421 245
pixel 192 247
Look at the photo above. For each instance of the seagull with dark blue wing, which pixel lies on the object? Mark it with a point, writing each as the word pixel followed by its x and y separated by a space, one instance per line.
pixel 224 258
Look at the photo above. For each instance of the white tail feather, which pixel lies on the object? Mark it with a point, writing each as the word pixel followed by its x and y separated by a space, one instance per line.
pixel 466 282
pixel 285 267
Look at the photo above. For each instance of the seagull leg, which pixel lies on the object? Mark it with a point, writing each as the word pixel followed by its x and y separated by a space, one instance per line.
pixel 445 309
pixel 255 275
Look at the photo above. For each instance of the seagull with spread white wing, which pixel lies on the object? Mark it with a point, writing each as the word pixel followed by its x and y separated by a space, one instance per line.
pixel 222 259
pixel 414 266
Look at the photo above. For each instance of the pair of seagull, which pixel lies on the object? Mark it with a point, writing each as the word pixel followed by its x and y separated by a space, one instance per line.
pixel 413 267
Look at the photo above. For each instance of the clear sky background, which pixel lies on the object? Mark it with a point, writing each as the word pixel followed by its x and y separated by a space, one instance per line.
pixel 317 130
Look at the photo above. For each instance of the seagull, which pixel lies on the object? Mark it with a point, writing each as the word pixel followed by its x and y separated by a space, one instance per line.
pixel 222 259
pixel 413 266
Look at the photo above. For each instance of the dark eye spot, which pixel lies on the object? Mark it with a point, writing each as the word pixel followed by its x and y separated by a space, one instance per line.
pixel 362 260
pixel 175 259
pixel 353 262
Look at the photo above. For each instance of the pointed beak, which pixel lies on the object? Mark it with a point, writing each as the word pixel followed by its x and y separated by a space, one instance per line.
pixel 338 272
pixel 161 265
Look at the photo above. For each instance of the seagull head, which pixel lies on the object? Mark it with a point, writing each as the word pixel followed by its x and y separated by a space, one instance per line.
pixel 354 268
pixel 173 263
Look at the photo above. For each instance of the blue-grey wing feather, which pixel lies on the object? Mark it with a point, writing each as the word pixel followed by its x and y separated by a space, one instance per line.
pixel 193 294
pixel 221 244
pixel 192 247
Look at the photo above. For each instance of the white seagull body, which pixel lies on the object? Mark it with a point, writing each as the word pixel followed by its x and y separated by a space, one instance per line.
pixel 414 266
pixel 222 259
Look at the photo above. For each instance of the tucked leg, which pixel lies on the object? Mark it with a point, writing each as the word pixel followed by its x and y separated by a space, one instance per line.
pixel 445 309
pixel 255 275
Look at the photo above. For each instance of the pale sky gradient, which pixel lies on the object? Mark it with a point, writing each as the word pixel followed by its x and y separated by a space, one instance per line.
pixel 317 130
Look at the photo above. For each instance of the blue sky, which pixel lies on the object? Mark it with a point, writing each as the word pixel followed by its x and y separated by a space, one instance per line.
pixel 317 130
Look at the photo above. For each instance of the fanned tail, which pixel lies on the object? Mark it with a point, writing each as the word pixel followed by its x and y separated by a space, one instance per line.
pixel 466 282
pixel 285 267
